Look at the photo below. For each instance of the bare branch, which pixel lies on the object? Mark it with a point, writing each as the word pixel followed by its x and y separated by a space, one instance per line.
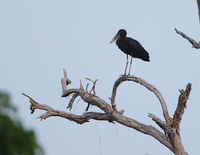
pixel 81 86
pixel 198 4
pixel 145 84
pixel 192 41
pixel 171 136
pixel 85 117
pixel 146 129
pixel 65 81
pixel 182 103
pixel 93 87
pixel 80 119
pixel 70 91
pixel 72 101
pixel 87 108
pixel 158 121
pixel 91 99
pixel 97 101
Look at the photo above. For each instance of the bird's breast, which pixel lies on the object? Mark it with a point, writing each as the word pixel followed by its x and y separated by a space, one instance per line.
pixel 123 45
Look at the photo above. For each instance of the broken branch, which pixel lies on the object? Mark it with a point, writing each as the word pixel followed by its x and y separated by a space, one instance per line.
pixel 182 104
pixel 192 41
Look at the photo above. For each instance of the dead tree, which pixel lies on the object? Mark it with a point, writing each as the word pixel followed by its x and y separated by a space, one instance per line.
pixel 170 137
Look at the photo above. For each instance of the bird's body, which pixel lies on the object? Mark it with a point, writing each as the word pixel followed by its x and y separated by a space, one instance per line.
pixel 130 47
pixel 133 48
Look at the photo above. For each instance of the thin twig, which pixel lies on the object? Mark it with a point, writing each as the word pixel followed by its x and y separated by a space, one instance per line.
pixel 72 101
pixel 87 108
pixel 93 87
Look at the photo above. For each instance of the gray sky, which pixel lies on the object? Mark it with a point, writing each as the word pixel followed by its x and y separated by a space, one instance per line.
pixel 40 38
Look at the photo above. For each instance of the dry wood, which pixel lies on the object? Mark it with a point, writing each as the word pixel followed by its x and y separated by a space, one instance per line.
pixel 145 84
pixel 146 129
pixel 158 121
pixel 171 136
pixel 65 81
pixel 192 41
pixel 80 119
pixel 75 95
pixel 182 103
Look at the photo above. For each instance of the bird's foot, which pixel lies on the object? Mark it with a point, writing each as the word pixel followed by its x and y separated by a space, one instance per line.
pixel 129 75
pixel 123 75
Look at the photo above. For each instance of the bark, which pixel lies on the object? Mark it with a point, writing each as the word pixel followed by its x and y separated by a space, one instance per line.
pixel 170 137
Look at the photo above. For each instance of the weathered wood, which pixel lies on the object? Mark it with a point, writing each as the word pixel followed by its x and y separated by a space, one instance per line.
pixel 192 41
pixel 65 81
pixel 182 104
pixel 145 84
pixel 171 126
pixel 146 129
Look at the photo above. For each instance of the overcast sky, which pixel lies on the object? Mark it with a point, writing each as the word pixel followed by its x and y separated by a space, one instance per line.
pixel 39 38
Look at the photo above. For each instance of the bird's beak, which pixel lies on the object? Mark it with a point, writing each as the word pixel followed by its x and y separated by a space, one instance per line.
pixel 115 37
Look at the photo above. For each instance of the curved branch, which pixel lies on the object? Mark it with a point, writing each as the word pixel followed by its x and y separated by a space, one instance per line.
pixel 70 91
pixel 72 101
pixel 146 129
pixel 171 138
pixel 145 84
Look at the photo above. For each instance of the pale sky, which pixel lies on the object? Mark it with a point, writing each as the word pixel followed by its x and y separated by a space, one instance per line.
pixel 39 38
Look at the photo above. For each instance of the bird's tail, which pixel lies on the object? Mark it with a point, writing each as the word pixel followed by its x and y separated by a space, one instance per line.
pixel 145 56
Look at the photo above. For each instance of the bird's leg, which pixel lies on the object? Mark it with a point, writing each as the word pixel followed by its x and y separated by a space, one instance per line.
pixel 130 67
pixel 126 64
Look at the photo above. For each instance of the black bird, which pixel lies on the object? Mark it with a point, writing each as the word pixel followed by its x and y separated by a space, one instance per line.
pixel 130 47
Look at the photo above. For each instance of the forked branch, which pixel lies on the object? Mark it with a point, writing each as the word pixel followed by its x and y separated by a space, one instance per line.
pixel 171 136
pixel 79 119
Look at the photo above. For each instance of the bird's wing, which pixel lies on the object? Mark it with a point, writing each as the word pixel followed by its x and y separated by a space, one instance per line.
pixel 137 50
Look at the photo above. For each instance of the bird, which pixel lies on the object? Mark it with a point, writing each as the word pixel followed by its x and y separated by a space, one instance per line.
pixel 130 47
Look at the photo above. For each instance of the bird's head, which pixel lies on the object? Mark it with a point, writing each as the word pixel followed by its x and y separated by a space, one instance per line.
pixel 120 33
